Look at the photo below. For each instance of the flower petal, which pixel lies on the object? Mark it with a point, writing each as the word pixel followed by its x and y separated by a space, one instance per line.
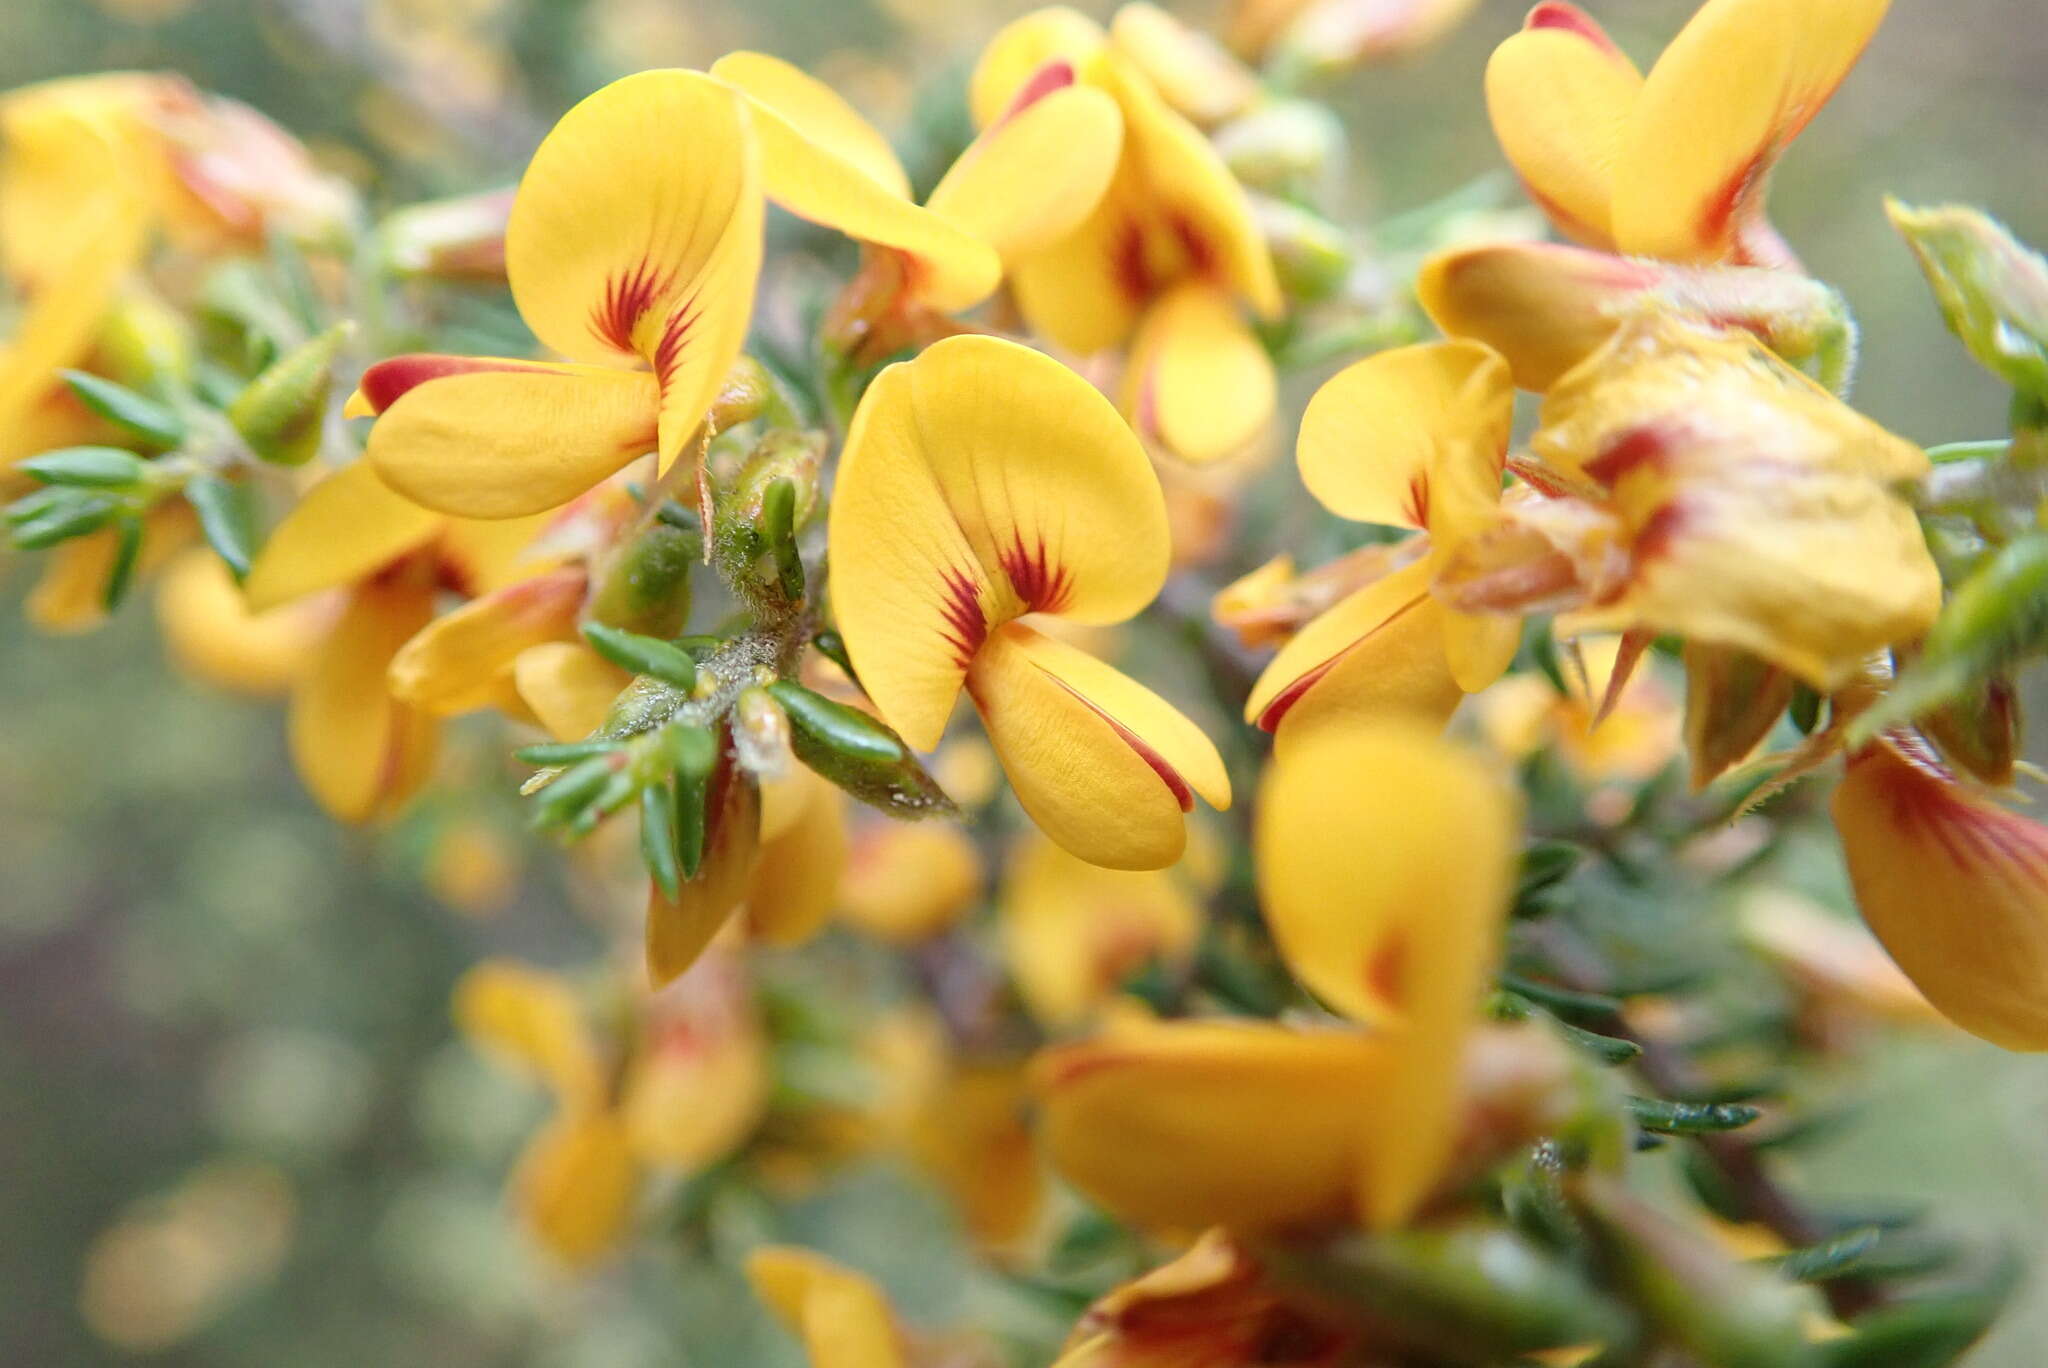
pixel 1379 432
pixel 981 481
pixel 678 931
pixel 816 111
pixel 503 443
pixel 908 881
pixel 1735 86
pixel 570 687
pixel 345 529
pixel 213 635
pixel 531 1019
pixel 1543 306
pixel 1561 94
pixel 1018 58
pixel 843 1317
pixel 1198 380
pixel 1037 174
pixel 361 752
pixel 1102 764
pixel 1191 70
pixel 798 878
pixel 454 664
pixel 575 1186
pixel 1386 860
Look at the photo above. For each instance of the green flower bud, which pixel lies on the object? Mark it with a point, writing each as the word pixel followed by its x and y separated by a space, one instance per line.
pixel 283 411
pixel 1992 290
pixel 145 344
pixel 644 585
pixel 462 238
pixel 1732 700
pixel 1289 148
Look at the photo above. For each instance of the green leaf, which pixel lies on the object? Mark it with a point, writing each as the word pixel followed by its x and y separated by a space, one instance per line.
pixel 658 837
pixel 121 574
pixel 1828 1259
pixel 74 513
pixel 1930 1332
pixel 1564 1002
pixel 693 754
pixel 859 753
pixel 87 467
pixel 565 752
pixel 643 655
pixel 227 515
pixel 154 422
pixel 1690 1118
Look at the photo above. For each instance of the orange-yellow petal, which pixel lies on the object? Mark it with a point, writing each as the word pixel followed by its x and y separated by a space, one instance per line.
pixel 1386 861
pixel 455 663
pixel 843 1317
pixel 1543 306
pixel 798 877
pixel 1057 38
pixel 1198 381
pixel 361 752
pixel 1732 89
pixel 699 1085
pixel 1956 887
pixel 817 112
pixel 1381 432
pixel 569 687
pixel 982 481
pixel 907 881
pixel 345 529
pixel 1103 765
pixel 1561 96
pixel 212 634
pixel 532 1019
pixel 1037 174
pixel 575 1185
pixel 1191 70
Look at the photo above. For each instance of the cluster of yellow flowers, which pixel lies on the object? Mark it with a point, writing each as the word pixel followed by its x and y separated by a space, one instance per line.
pixel 1080 319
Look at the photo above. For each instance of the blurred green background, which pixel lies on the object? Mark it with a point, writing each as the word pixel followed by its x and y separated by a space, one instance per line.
pixel 200 976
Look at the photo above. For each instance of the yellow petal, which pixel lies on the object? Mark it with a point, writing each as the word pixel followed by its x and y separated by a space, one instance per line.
pixel 1542 306
pixel 908 881
pixel 798 878
pixel 1735 86
pixel 843 1318
pixel 805 134
pixel 817 112
pixel 699 1085
pixel 454 664
pixel 1037 174
pixel 1561 95
pixel 1191 70
pixel 570 687
pixel 345 529
pixel 1073 933
pixel 361 752
pixel 1198 382
pixel 389 380
pixel 1378 651
pixel 973 1138
pixel 1181 1125
pixel 628 243
pixel 1086 291
pixel 1380 432
pixel 212 634
pixel 1957 889
pixel 532 1019
pixel 499 443
pixel 575 1186
pixel 1386 860
pixel 678 931
pixel 1103 765
pixel 1015 62
pixel 981 481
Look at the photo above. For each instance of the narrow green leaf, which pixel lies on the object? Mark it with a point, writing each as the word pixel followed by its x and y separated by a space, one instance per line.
pixel 658 837
pixel 565 752
pixel 859 753
pixel 78 513
pixel 121 574
pixel 1572 1006
pixel 643 655
pixel 1828 1259
pixel 693 753
pixel 1690 1118
pixel 833 646
pixel 227 515
pixel 87 467
pixel 154 422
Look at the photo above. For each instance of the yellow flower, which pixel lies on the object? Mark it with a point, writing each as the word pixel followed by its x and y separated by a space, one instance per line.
pixel 1164 260
pixel 1417 438
pixel 693 1087
pixel 630 251
pixel 1714 493
pixel 1340 32
pixel 981 483
pixel 1192 72
pixel 362 751
pixel 1073 932
pixel 213 635
pixel 843 1317
pixel 1956 887
pixel 971 1137
pixel 1672 165
pixel 1611 724
pixel 1385 858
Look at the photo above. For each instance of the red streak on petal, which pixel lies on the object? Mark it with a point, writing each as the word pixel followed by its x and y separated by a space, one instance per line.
pixel 675 337
pixel 1269 720
pixel 1168 775
pixel 1203 259
pixel 964 615
pixel 1717 215
pixel 385 383
pixel 1386 969
pixel 1418 498
pixel 1556 14
pixel 1638 446
pixel 627 298
pixel 1057 74
pixel 1127 264
pixel 1041 583
pixel 1663 528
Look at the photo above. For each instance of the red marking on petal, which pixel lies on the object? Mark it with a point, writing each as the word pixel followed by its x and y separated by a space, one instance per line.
pixel 1041 583
pixel 1057 74
pixel 1663 528
pixel 1418 498
pixel 1269 720
pixel 967 622
pixel 675 338
pixel 386 382
pixel 1718 214
pixel 627 298
pixel 1127 264
pixel 1638 446
pixel 1556 14
pixel 1203 258
pixel 1386 969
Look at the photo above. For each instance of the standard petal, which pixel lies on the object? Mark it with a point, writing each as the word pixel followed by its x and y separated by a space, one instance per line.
pixel 1198 381
pixel 1178 1126
pixel 346 528
pixel 361 752
pixel 1375 435
pixel 1037 175
pixel 1561 95
pixel 979 482
pixel 1543 306
pixel 503 443
pixel 1386 860
pixel 569 687
pixel 1103 765
pixel 1378 651
pixel 1054 44
pixel 1735 86
pixel 455 664
pixel 817 112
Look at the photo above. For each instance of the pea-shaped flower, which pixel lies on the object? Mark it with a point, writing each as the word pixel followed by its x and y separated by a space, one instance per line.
pixel 983 484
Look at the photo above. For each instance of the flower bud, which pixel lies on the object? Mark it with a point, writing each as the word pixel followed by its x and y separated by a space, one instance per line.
pixel 644 585
pixel 1330 36
pixel 145 344
pixel 1980 731
pixel 450 239
pixel 1992 290
pixel 1732 700
pixel 282 413
pixel 1310 253
pixel 1289 148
